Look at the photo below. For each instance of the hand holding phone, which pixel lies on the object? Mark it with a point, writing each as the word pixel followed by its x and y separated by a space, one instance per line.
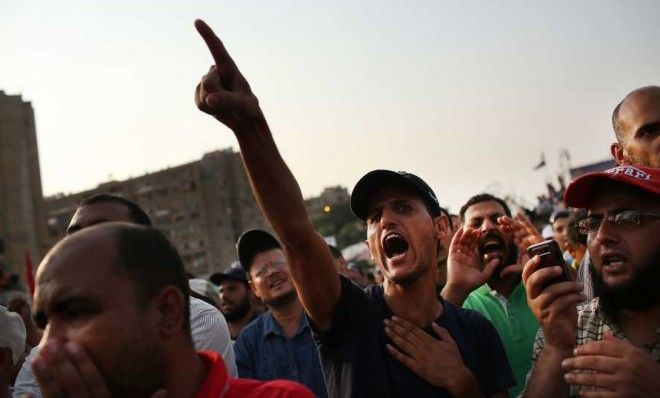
pixel 550 255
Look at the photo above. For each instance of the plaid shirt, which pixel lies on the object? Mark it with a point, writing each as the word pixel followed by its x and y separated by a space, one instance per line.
pixel 591 324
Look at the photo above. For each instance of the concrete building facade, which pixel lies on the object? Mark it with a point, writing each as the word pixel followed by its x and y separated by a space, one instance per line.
pixel 201 206
pixel 22 210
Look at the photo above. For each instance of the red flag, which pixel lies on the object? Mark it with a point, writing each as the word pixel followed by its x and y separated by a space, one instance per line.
pixel 29 275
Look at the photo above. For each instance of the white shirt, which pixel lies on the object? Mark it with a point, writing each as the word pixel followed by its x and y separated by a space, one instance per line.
pixel 209 333
pixel 502 300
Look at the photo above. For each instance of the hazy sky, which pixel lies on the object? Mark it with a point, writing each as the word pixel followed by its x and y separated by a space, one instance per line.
pixel 466 94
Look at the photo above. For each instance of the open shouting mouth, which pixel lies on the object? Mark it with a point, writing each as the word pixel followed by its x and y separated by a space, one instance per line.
pixel 613 262
pixel 395 245
pixel 492 244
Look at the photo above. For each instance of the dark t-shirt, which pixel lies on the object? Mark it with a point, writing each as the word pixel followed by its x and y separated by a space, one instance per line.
pixel 356 363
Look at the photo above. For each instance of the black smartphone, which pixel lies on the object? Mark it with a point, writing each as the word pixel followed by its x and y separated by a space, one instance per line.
pixel 551 256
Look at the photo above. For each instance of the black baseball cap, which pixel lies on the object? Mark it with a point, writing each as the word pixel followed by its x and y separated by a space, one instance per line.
pixel 378 179
pixel 253 242
pixel 231 273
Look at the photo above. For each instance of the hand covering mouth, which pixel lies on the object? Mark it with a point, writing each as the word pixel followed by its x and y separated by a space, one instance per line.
pixel 394 245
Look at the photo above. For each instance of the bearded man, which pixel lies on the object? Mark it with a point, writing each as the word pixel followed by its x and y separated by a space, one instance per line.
pixel 611 345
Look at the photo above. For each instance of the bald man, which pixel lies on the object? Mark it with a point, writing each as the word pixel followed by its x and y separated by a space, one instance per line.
pixel 636 122
pixel 113 301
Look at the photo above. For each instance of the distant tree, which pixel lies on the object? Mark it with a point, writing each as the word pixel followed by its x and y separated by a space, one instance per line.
pixel 351 233
pixel 340 222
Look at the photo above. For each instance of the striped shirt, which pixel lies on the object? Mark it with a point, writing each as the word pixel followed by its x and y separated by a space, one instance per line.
pixel 592 322
pixel 210 332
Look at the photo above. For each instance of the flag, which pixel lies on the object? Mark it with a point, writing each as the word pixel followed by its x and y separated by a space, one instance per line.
pixel 29 275
pixel 541 163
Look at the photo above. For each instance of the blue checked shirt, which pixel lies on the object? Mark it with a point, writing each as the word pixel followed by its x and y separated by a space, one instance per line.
pixel 264 352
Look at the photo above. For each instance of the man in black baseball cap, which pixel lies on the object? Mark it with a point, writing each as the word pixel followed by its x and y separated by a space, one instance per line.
pixel 375 180
pixel 278 344
pixel 235 298
pixel 357 329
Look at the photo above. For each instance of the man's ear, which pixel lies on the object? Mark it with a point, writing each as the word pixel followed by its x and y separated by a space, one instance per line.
pixel 253 289
pixel 369 248
pixel 170 308
pixel 441 226
pixel 619 154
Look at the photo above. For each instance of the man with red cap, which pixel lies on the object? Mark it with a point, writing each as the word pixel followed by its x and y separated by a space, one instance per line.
pixel 609 346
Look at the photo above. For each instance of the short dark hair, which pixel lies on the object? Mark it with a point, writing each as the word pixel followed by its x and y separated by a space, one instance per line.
pixel 558 215
pixel 336 253
pixel 483 197
pixel 138 216
pixel 145 256
pixel 573 231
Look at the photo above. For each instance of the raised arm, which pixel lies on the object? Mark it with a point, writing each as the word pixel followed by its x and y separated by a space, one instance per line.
pixel 226 95
pixel 464 269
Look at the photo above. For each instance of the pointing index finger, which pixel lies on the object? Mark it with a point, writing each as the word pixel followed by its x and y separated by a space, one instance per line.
pixel 220 55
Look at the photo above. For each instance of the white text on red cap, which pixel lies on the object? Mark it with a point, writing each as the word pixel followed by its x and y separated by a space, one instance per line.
pixel 629 171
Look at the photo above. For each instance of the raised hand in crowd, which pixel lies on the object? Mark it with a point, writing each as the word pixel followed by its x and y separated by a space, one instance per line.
pixel 223 92
pixel 524 235
pixel 612 366
pixel 435 359
pixel 403 219
pixel 554 306
pixel 465 271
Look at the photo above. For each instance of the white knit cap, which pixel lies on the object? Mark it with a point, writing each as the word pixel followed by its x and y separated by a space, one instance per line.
pixel 204 288
pixel 12 333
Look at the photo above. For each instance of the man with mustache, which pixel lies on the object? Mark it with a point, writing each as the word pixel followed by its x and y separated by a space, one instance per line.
pixel 359 331
pixel 278 344
pixel 235 299
pixel 610 346
pixel 209 329
pixel 493 285
pixel 113 301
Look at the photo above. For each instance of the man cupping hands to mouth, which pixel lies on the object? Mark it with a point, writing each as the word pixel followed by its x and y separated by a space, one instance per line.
pixel 490 248
pixel 484 274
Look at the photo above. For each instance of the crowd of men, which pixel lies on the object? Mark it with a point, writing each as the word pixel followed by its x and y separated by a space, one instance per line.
pixel 459 308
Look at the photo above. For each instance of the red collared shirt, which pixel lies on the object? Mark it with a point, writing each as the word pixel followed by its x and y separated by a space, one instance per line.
pixel 218 384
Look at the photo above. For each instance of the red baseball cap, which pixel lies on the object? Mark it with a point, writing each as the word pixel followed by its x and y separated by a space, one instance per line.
pixel 644 178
